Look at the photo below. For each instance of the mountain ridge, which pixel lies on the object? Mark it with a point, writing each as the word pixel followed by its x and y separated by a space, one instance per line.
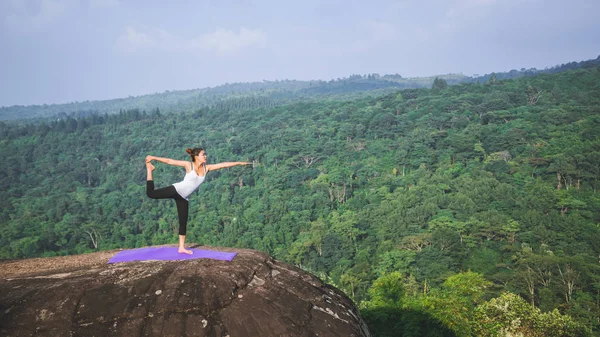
pixel 278 91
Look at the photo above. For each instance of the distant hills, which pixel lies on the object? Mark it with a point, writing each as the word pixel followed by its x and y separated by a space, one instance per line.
pixel 268 93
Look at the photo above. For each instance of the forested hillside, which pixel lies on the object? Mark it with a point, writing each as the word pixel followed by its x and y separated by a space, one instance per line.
pixel 514 73
pixel 467 210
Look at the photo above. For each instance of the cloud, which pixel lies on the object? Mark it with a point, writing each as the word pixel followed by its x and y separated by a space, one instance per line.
pixel 132 40
pixel 27 16
pixel 226 40
pixel 221 40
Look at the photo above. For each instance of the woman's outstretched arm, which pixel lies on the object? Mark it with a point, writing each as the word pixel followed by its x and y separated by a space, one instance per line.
pixel 168 161
pixel 219 166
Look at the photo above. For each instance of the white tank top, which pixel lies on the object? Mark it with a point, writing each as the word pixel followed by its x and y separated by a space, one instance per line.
pixel 190 183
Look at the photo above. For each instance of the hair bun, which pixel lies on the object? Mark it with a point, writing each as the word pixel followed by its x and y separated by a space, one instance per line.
pixel 189 151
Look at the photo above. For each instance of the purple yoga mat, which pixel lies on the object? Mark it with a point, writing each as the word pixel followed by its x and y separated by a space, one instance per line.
pixel 168 254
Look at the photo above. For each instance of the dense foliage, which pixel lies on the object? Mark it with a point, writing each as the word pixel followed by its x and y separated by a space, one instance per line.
pixel 433 206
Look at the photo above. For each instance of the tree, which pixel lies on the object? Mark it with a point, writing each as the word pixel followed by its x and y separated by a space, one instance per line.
pixel 416 242
pixel 345 225
pixel 511 228
pixel 94 235
pixel 387 291
pixel 569 277
pixel 439 84
pixel 395 261
pixel 454 304
pixel 533 94
pixel 509 314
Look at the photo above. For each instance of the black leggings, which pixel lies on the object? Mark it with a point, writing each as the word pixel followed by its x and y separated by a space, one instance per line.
pixel 170 192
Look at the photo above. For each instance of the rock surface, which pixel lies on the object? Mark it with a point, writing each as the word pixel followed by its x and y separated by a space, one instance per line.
pixel 253 295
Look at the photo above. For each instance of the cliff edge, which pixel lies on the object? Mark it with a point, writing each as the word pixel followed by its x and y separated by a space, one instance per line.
pixel 253 295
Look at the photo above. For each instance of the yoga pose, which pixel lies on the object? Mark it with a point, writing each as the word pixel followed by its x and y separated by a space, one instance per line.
pixel 195 173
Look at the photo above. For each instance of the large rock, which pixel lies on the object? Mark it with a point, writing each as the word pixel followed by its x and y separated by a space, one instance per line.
pixel 254 295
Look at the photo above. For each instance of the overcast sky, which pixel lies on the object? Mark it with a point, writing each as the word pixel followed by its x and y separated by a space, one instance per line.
pixel 60 51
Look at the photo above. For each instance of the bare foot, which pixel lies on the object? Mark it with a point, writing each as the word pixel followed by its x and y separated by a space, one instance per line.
pixel 184 251
pixel 149 166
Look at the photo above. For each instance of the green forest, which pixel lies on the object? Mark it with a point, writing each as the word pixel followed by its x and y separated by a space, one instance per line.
pixel 468 209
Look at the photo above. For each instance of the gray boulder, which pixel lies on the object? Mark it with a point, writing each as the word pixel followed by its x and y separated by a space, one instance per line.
pixel 253 295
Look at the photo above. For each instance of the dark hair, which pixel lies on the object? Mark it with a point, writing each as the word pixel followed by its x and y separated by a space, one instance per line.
pixel 194 152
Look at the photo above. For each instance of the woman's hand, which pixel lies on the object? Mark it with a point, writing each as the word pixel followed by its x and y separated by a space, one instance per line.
pixel 149 158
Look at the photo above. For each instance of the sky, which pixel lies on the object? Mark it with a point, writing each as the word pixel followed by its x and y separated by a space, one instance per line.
pixel 61 51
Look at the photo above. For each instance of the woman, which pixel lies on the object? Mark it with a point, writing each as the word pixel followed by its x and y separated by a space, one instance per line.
pixel 195 173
